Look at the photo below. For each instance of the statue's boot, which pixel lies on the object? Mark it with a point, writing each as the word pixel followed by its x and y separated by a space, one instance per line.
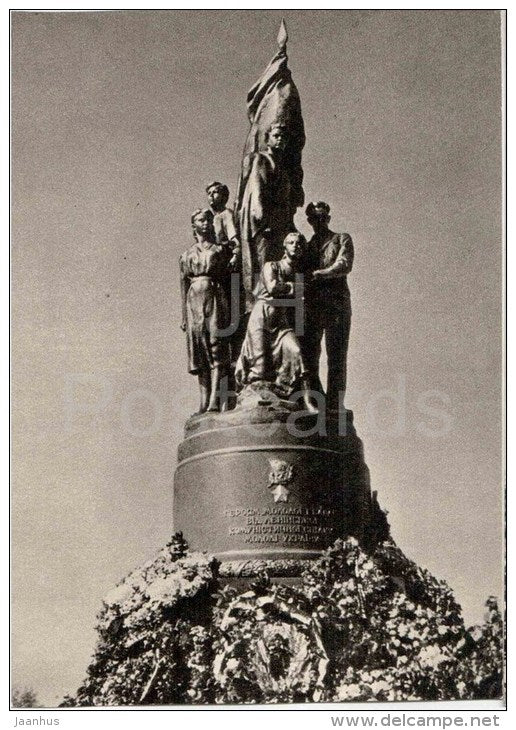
pixel 204 389
pixel 216 376
pixel 307 400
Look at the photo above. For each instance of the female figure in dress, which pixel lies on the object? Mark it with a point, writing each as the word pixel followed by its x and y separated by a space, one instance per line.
pixel 205 309
pixel 271 351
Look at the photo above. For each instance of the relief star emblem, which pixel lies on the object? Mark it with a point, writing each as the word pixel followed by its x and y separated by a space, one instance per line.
pixel 281 474
pixel 280 493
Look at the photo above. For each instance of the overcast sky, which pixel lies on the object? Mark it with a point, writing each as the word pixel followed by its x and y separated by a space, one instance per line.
pixel 119 121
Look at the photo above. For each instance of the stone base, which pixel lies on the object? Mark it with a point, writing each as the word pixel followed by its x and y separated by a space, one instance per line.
pixel 267 488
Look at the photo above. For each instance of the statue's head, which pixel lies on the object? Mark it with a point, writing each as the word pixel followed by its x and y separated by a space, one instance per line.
pixel 202 223
pixel 218 195
pixel 294 244
pixel 276 136
pixel 318 214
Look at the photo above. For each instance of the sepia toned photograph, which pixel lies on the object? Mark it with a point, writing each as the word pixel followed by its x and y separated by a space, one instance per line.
pixel 257 358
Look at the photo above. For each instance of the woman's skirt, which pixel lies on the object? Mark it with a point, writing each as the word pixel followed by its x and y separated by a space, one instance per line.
pixel 207 313
pixel 271 350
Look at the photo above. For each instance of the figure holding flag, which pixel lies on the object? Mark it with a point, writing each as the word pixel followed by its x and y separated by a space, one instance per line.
pixel 270 187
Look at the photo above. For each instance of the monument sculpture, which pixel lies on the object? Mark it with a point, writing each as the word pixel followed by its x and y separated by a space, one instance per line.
pixel 271 481
pixel 270 186
pixel 271 351
pixel 226 234
pixel 223 221
pixel 308 598
pixel 205 309
pixel 328 303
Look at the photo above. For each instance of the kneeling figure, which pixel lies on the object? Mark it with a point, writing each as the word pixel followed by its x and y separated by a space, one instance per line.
pixel 271 352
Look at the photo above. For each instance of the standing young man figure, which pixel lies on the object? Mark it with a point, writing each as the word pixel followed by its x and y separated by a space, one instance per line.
pixel 328 303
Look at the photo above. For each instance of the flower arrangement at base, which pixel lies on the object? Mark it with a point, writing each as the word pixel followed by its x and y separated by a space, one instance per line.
pixel 359 626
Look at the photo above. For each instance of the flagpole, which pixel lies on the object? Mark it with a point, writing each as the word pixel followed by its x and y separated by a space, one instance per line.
pixel 282 35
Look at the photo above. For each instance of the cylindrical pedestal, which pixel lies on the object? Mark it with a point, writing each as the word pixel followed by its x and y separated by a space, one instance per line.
pixel 268 490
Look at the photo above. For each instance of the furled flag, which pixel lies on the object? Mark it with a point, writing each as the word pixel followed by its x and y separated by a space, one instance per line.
pixel 270 190
pixel 275 99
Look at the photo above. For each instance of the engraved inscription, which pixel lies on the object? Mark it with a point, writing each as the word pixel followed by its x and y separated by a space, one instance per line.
pixel 281 524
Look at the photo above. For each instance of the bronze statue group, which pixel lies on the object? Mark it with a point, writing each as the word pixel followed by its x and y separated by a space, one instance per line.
pixel 257 297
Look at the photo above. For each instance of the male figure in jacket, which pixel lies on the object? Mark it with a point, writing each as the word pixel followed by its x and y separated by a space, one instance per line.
pixel 328 303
